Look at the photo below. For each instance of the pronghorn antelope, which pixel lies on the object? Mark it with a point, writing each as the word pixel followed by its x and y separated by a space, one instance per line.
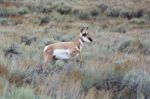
pixel 66 50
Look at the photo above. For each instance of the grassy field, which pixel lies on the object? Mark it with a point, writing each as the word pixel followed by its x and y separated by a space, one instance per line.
pixel 115 66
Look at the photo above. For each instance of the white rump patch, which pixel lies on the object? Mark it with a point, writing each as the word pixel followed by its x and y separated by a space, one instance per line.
pixel 45 48
pixel 61 53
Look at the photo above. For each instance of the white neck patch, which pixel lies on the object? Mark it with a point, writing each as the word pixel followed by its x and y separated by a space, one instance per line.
pixel 81 43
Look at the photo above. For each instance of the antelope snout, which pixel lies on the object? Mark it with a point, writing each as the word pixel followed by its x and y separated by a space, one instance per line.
pixel 90 39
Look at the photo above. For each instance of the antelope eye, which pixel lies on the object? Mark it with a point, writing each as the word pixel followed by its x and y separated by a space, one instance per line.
pixel 84 34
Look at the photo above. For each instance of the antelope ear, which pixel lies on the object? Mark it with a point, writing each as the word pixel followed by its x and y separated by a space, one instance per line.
pixel 82 29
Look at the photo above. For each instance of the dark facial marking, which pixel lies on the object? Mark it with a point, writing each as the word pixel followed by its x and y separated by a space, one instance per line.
pixel 84 34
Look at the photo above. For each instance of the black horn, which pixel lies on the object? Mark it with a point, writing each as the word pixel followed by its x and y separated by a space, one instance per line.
pixel 87 28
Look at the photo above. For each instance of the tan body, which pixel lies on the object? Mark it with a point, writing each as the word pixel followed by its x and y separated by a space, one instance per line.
pixel 71 49
pixel 71 46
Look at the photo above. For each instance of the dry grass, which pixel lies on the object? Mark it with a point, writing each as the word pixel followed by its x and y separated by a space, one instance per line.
pixel 104 73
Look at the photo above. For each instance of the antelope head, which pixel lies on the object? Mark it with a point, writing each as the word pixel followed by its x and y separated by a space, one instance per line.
pixel 84 35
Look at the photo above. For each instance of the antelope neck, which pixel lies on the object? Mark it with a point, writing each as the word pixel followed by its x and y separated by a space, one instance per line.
pixel 80 44
pixel 81 41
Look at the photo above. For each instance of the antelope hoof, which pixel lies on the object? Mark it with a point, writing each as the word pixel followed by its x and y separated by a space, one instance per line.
pixel 79 61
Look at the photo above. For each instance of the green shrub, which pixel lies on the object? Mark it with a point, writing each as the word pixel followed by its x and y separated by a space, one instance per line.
pixel 137 82
pixel 96 78
pixel 46 40
pixel 44 20
pixel 113 12
pixel 13 11
pixel 88 81
pixel 56 66
pixel 138 21
pixel 82 15
pixel 136 78
pixel 42 9
pixel 4 12
pixel 28 40
pixel 94 12
pixel 59 63
pixel 3 21
pixel 62 8
pixel 137 13
pixel 20 77
pixel 67 37
pixel 124 45
pixel 147 15
pixel 103 7
pixel 23 10
pixel 13 50
pixel 23 93
pixel 124 13
pixel 120 29
pixel 132 46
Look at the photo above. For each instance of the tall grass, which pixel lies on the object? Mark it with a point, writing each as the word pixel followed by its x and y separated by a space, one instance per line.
pixel 114 66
